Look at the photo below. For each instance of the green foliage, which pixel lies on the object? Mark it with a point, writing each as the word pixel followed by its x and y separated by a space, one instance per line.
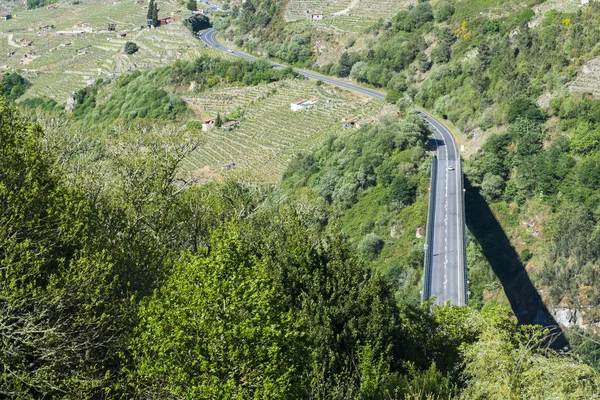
pixel 31 4
pixel 191 5
pixel 296 51
pixel 443 10
pixel 373 179
pixel 85 100
pixel 508 364
pixel 492 187
pixel 130 48
pixel 152 14
pixel 239 317
pixel 415 17
pixel 123 281
pixel 522 107
pixel 371 245
pixel 392 96
pixel 256 14
pixel 197 22
pixel 13 86
pixel 41 103
pixel 140 95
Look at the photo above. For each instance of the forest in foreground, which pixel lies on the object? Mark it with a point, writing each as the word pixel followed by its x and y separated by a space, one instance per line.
pixel 146 286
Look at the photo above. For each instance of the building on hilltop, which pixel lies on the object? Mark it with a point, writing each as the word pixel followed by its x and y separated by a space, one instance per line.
pixel 208 123
pixel 228 126
pixel 349 121
pixel 166 21
pixel 316 17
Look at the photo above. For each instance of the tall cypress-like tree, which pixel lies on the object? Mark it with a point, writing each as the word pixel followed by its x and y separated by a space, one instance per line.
pixel 155 22
pixel 150 10
pixel 192 5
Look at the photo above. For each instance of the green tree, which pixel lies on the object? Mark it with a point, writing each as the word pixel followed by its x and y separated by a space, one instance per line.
pixel 492 187
pixel 31 4
pixel 13 86
pixel 63 315
pixel 197 22
pixel 345 65
pixel 509 363
pixel 155 20
pixel 130 48
pixel 150 12
pixel 218 121
pixel 371 245
pixel 424 63
pixel 443 10
pixel 192 5
pixel 393 96
pixel 522 107
pixel 219 329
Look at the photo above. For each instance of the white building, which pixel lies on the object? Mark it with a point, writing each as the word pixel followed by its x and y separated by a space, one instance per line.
pixel 208 123
pixel 303 104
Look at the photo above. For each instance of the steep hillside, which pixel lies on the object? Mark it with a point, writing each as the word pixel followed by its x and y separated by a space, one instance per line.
pixel 269 135
pixel 520 91
pixel 71 45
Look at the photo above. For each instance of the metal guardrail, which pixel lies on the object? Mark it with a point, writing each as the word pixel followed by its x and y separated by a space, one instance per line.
pixel 463 233
pixel 428 247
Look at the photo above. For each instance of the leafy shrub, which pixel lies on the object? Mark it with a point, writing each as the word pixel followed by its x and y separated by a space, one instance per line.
pixel 131 47
pixel 371 245
pixel 443 10
pixel 41 103
pixel 14 86
pixel 31 4
pixel 523 107
pixel 414 18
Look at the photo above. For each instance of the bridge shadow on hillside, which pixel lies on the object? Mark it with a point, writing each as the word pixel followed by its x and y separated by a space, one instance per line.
pixel 502 256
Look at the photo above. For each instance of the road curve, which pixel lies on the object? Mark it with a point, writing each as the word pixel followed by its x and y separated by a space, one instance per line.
pixel 447 274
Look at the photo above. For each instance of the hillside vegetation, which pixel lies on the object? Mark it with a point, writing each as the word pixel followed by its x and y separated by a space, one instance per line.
pixel 375 181
pixel 144 286
pixel 508 77
pixel 72 47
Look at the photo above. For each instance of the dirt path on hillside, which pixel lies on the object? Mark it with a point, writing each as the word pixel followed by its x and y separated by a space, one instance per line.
pixel 347 9
pixel 11 42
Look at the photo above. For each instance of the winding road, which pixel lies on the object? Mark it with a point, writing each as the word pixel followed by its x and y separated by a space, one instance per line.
pixel 448 267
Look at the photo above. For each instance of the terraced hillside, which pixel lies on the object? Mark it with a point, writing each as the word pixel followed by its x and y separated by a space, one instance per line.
pixel 269 133
pixel 71 45
pixel 345 15
pixel 588 80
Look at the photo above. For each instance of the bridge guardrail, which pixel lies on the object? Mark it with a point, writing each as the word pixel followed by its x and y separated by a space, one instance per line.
pixel 464 235
pixel 426 291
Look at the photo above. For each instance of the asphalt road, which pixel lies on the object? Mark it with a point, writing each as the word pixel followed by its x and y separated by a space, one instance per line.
pixel 448 265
